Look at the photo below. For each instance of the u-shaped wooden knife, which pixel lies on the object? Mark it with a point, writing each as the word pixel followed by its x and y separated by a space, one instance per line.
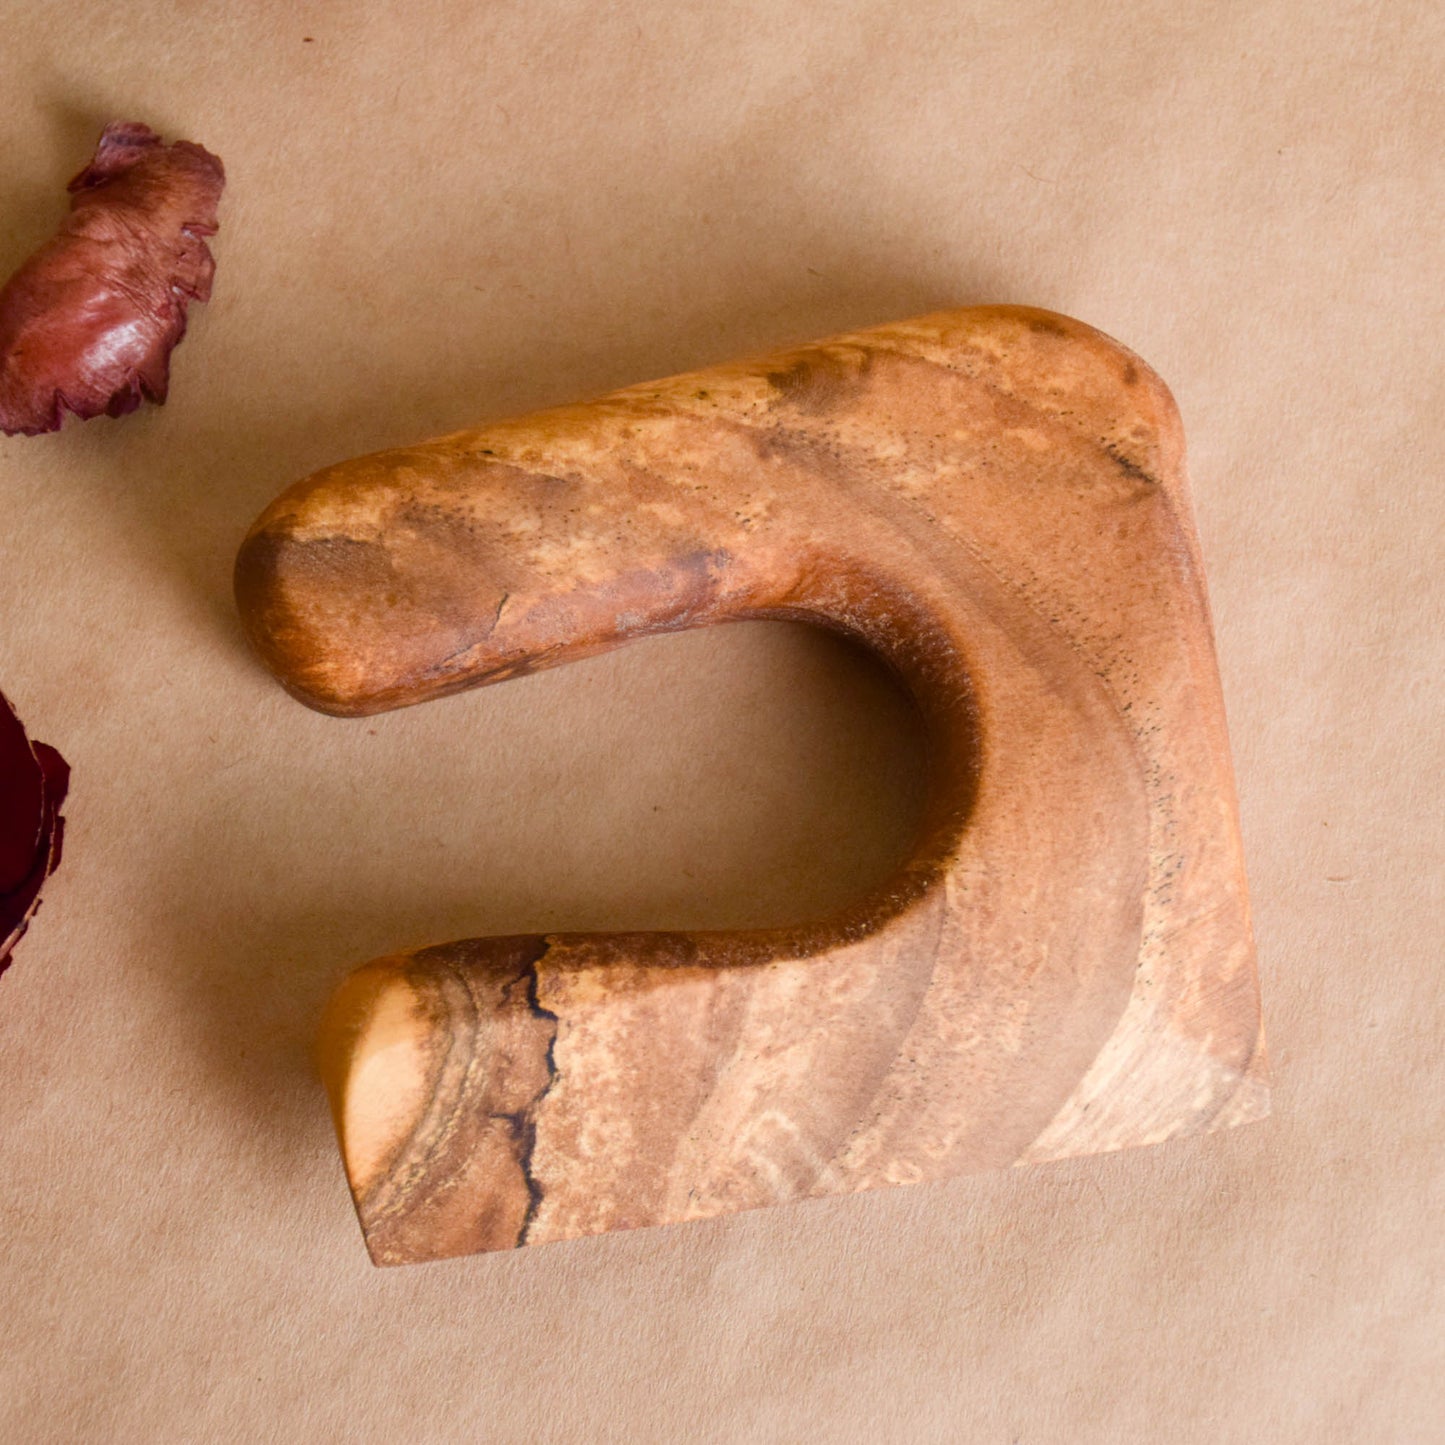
pixel 992 499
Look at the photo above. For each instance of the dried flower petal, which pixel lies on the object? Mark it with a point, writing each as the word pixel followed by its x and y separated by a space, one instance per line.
pixel 33 782
pixel 88 323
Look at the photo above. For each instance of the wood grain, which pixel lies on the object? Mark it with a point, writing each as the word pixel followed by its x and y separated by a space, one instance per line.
pixel 994 500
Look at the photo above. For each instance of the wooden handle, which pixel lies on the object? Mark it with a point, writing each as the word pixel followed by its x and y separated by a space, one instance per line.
pixel 994 501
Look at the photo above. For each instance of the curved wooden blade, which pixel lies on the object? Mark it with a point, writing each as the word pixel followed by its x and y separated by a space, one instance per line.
pixel 992 499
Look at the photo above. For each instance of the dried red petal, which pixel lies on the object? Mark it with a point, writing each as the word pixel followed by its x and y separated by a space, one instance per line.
pixel 88 323
pixel 33 783
pixel 22 802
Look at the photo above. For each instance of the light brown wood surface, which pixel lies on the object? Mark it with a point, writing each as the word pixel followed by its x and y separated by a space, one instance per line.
pixel 994 501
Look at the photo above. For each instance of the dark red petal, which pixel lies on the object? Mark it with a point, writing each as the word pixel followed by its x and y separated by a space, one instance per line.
pixel 88 323
pixel 18 903
pixel 22 800
pixel 57 785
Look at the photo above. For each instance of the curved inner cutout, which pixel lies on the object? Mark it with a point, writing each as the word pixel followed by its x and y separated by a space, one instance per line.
pixel 749 775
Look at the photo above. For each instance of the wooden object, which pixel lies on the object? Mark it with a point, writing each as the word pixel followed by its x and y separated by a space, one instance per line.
pixel 995 501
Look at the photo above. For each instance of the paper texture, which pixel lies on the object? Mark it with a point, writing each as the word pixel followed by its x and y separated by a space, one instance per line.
pixel 443 213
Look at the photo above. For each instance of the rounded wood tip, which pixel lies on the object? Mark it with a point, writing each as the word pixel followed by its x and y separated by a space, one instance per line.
pixel 373 1053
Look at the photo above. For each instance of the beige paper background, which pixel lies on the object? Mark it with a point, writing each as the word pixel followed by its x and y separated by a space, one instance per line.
pixel 442 213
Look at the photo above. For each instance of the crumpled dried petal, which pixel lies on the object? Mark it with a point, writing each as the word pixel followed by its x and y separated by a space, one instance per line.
pixel 33 782
pixel 88 323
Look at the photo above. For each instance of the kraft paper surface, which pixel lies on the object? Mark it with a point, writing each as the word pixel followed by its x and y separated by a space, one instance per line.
pixel 439 214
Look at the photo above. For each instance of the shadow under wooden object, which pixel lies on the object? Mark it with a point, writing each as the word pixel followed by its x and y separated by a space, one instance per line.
pixel 994 500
